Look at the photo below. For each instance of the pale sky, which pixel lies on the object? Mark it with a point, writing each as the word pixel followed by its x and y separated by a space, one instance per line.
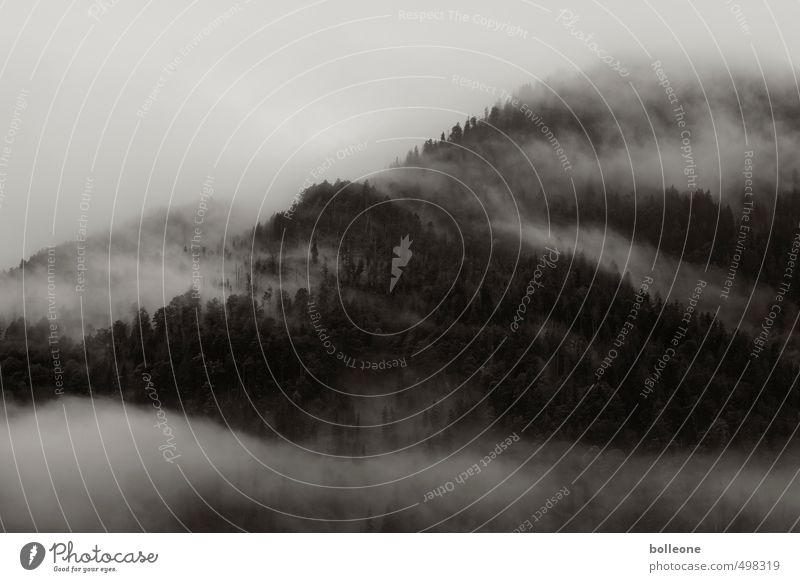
pixel 148 99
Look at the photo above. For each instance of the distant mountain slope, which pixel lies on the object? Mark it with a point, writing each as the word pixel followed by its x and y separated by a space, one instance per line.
pixel 495 318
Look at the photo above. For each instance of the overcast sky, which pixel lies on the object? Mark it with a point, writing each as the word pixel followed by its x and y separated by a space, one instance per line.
pixel 148 99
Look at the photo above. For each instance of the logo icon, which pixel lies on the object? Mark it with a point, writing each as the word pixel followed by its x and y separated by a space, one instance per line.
pixel 403 255
pixel 31 555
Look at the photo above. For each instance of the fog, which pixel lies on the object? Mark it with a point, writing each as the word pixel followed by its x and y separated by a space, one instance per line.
pixel 148 101
pixel 111 471
pixel 672 279
pixel 122 124
pixel 91 283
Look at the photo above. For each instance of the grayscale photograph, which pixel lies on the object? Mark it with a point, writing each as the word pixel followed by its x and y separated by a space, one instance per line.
pixel 389 267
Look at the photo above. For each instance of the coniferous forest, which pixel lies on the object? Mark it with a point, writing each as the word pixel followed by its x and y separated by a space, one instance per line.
pixel 597 327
